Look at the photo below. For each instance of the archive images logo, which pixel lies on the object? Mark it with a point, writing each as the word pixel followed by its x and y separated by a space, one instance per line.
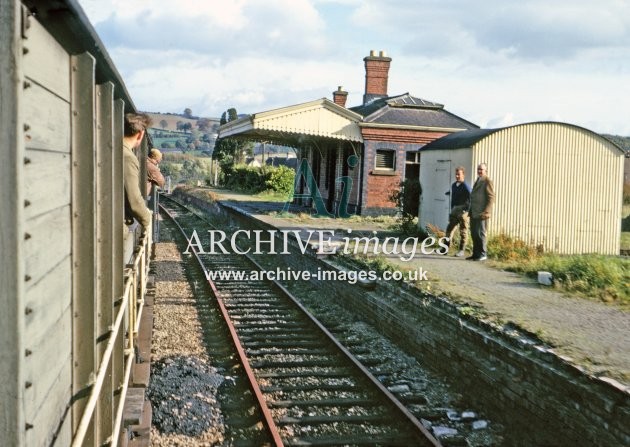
pixel 305 172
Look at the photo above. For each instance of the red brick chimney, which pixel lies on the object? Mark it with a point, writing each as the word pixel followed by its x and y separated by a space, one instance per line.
pixel 376 74
pixel 340 96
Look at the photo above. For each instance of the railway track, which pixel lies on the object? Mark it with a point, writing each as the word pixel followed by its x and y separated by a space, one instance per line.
pixel 310 389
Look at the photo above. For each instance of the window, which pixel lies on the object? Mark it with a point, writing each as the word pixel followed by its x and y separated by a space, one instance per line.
pixel 385 159
pixel 413 157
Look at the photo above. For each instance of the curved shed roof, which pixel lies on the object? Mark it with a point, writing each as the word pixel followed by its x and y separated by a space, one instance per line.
pixel 468 138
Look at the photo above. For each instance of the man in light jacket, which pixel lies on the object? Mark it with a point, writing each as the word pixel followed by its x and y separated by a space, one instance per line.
pixel 481 201
pixel 135 206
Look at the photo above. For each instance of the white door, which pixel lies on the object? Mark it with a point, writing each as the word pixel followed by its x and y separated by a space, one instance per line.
pixel 436 204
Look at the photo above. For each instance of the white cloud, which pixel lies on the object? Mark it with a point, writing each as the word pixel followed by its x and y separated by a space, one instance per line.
pixel 490 61
pixel 230 29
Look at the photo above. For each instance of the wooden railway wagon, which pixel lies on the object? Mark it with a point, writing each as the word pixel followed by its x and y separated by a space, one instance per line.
pixel 72 276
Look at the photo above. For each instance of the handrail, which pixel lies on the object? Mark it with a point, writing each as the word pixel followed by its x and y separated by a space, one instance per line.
pixel 102 371
pixel 132 303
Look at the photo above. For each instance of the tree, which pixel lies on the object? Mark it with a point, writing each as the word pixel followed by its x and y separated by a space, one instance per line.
pixel 187 113
pixel 203 124
pixel 163 124
pixel 193 169
pixel 228 151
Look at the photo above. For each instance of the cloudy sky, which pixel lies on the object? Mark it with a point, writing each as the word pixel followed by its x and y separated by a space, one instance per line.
pixel 493 62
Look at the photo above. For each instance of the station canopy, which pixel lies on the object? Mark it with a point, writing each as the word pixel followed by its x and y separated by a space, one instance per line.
pixel 295 125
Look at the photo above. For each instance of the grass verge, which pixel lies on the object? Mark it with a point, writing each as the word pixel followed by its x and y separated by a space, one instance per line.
pixel 605 278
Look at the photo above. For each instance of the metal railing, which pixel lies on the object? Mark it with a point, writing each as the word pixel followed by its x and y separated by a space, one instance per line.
pixel 132 304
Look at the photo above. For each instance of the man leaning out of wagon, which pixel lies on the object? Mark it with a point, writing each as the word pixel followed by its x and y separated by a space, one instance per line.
pixel 135 206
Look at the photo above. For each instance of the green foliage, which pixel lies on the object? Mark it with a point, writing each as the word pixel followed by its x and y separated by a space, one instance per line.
pixel 255 180
pixel 584 273
pixel 407 200
pixel 280 179
pixel 185 167
pixel 245 178
pixel 598 276
pixel 225 152
pixel 622 142
pixel 229 151
pixel 626 193
pixel 506 248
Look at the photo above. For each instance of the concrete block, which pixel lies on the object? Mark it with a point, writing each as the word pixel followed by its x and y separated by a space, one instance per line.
pixel 545 278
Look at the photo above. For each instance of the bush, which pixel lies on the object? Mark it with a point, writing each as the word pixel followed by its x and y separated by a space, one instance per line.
pixel 407 200
pixel 255 180
pixel 245 178
pixel 626 193
pixel 507 248
pixel 280 179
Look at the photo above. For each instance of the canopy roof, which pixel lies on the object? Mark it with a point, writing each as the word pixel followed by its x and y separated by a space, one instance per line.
pixel 291 125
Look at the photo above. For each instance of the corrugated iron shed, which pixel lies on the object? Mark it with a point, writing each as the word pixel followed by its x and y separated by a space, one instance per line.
pixel 557 185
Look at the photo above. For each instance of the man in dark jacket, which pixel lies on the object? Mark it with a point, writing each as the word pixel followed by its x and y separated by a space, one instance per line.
pixel 460 203
pixel 481 201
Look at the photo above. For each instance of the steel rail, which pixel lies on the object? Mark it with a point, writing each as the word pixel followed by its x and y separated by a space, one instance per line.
pixel 389 397
pixel 270 424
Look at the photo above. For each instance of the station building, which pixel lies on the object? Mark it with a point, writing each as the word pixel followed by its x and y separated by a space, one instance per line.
pixel 383 133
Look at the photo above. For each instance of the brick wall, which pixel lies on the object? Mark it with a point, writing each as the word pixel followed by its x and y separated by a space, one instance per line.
pixel 376 186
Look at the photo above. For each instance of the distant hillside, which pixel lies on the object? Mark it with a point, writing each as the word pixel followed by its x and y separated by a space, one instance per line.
pixel 172 119
pixel 623 142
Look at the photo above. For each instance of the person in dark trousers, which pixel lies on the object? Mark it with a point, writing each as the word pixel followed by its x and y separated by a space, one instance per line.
pixel 481 202
pixel 135 205
pixel 460 203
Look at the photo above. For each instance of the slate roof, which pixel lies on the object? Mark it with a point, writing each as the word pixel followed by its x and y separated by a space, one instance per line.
pixel 458 140
pixel 407 110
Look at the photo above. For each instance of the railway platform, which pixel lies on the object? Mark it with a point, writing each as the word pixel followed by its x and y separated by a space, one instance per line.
pixel 589 334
